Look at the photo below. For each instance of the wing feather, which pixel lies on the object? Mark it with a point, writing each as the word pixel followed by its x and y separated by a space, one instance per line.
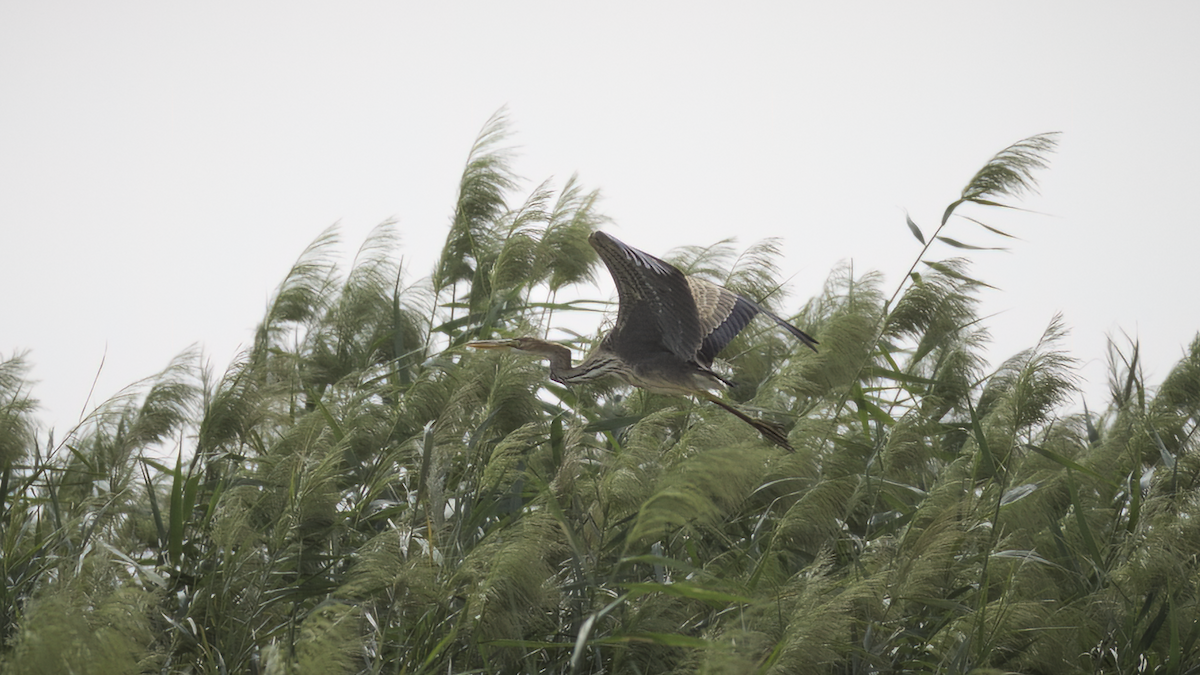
pixel 723 314
pixel 657 310
pixel 662 308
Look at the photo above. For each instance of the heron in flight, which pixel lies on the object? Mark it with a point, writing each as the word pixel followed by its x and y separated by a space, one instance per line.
pixel 669 328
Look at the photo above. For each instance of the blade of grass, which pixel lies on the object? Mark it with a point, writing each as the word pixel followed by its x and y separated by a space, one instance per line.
pixel 1085 530
pixel 913 227
pixel 175 530
pixel 1074 466
pixel 159 527
pixel 585 630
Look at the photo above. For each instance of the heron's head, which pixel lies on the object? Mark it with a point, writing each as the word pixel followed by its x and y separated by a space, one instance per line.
pixel 559 355
pixel 521 344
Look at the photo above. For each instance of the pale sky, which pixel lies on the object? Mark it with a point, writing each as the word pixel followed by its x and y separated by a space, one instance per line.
pixel 163 164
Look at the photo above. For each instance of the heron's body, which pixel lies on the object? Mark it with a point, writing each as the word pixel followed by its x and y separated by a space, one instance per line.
pixel 669 329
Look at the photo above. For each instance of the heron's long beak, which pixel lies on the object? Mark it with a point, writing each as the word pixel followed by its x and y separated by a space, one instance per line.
pixel 492 344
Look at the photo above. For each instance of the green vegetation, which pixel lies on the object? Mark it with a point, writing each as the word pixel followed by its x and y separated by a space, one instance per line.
pixel 359 494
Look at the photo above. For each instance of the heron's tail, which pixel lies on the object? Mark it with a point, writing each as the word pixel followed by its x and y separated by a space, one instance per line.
pixel 800 335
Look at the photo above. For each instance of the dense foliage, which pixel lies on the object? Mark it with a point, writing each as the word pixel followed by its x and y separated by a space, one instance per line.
pixel 359 493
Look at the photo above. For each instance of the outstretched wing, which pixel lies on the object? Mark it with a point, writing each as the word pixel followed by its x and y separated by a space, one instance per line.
pixel 723 314
pixel 657 311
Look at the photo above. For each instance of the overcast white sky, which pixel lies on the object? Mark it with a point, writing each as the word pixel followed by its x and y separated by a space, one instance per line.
pixel 163 164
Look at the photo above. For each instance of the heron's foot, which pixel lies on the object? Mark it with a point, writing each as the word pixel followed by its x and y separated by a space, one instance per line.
pixel 769 430
pixel 773 432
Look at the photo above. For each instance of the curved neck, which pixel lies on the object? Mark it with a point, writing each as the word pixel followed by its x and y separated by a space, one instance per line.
pixel 559 357
pixel 593 367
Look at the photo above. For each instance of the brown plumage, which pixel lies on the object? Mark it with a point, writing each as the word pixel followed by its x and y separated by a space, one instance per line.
pixel 669 329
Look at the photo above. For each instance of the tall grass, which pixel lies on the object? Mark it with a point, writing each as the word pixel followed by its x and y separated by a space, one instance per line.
pixel 357 493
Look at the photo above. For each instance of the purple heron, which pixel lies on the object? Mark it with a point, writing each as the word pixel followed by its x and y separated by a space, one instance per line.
pixel 669 328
